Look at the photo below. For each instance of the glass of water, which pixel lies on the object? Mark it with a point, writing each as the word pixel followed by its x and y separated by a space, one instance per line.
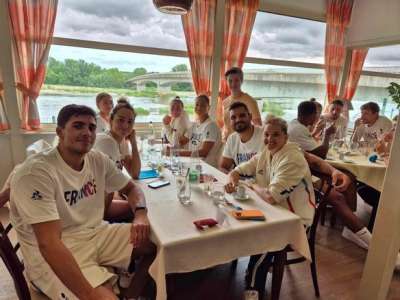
pixel 183 189
pixel 218 192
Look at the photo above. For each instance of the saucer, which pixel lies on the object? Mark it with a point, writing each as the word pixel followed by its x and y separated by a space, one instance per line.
pixel 243 198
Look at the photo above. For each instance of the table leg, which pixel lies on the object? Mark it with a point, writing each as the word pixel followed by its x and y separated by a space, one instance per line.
pixel 277 273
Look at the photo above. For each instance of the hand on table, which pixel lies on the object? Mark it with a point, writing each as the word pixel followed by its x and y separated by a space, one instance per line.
pixel 101 293
pixel 234 177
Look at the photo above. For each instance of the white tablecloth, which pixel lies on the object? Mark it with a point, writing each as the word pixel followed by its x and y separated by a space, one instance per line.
pixel 183 248
pixel 365 171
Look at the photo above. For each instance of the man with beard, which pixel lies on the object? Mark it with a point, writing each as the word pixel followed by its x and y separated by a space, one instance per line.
pixel 57 206
pixel 245 142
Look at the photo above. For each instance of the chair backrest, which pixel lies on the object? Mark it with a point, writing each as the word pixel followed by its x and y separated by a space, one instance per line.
pixel 15 267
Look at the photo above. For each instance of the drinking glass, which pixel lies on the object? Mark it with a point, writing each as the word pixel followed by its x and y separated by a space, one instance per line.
pixel 207 183
pixel 217 192
pixel 183 189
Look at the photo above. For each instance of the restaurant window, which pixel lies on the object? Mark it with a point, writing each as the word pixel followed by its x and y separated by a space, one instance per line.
pixel 76 75
pixel 287 38
pixel 136 23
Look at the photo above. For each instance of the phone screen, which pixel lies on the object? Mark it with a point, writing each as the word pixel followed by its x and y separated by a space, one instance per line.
pixel 157 184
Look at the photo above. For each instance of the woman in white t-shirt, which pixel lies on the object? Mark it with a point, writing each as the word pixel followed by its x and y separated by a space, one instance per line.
pixel 105 104
pixel 120 142
pixel 176 124
pixel 204 137
pixel 120 145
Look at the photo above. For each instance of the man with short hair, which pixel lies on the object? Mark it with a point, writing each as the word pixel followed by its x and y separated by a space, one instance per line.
pixel 371 125
pixel 234 77
pixel 299 133
pixel 245 142
pixel 334 116
pixel 57 206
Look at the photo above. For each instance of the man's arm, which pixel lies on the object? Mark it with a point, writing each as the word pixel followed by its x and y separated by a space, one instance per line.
pixel 226 164
pixel 140 230
pixel 322 150
pixel 61 261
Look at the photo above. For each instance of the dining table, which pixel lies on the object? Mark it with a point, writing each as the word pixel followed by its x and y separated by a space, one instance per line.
pixel 370 172
pixel 182 247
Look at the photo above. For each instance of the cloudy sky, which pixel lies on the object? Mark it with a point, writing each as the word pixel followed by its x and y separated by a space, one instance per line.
pixel 137 22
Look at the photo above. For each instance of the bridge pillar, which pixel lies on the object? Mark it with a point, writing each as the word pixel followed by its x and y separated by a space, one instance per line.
pixel 141 86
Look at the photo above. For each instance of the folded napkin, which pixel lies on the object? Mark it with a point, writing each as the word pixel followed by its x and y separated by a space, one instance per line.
pixel 146 174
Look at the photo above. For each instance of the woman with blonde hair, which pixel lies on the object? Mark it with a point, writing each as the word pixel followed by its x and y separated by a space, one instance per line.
pixel 176 124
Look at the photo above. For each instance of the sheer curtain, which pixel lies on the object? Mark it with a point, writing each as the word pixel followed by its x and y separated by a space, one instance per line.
pixel 239 20
pixel 32 27
pixel 198 26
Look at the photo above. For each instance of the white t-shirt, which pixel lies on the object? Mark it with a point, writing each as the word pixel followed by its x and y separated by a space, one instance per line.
pixel 208 131
pixel 110 147
pixel 298 133
pixel 340 124
pixel 44 188
pixel 181 125
pixel 381 126
pixel 240 152
pixel 102 125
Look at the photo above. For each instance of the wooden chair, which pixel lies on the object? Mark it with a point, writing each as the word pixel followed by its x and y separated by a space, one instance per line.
pixel 15 267
pixel 321 202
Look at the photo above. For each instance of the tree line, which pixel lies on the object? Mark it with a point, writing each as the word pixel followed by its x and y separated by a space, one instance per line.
pixel 81 73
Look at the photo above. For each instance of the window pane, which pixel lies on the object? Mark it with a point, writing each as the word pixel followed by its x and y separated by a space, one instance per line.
pixel 373 88
pixel 76 75
pixel 383 59
pixel 123 21
pixel 288 38
pixel 280 89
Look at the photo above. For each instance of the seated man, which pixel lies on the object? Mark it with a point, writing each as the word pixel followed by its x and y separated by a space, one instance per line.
pixel 334 116
pixel 245 142
pixel 371 125
pixel 282 177
pixel 57 205
pixel 299 133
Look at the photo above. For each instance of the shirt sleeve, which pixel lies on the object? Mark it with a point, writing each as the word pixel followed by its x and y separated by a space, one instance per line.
pixel 303 137
pixel 253 108
pixel 248 168
pixel 228 151
pixel 34 195
pixel 105 146
pixel 288 175
pixel 212 133
pixel 115 178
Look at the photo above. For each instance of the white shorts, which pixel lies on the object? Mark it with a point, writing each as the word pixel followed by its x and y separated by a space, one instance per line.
pixel 97 254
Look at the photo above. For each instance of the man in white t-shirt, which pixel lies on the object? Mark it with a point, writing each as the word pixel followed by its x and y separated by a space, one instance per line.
pixel 334 116
pixel 371 126
pixel 245 142
pixel 204 137
pixel 57 206
pixel 299 133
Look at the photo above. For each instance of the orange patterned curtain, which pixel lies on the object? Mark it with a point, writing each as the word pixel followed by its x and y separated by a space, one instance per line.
pixel 32 27
pixel 198 26
pixel 239 20
pixel 4 125
pixel 337 20
pixel 357 61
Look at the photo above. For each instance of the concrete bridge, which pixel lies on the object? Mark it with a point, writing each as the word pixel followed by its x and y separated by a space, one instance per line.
pixel 276 83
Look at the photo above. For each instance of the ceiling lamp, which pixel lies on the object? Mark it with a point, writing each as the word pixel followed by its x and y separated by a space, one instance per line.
pixel 175 7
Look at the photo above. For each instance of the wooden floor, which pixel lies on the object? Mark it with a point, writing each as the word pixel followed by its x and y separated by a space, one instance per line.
pixel 339 264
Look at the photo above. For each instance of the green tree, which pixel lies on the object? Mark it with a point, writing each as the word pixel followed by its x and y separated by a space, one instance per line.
pixel 180 68
pixel 139 71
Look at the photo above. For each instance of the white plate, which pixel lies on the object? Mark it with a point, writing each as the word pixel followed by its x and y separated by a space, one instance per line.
pixel 244 198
